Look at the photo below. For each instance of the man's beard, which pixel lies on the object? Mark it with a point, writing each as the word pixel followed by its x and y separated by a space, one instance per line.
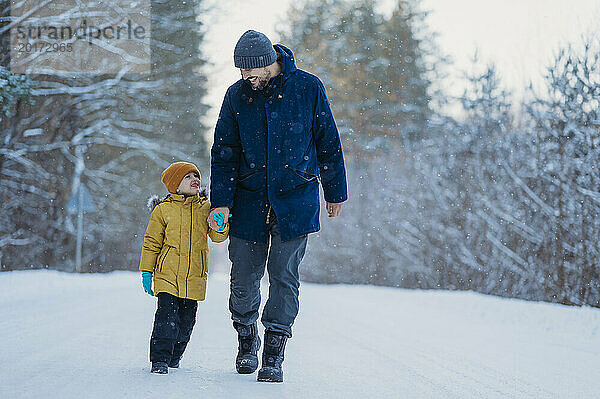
pixel 262 82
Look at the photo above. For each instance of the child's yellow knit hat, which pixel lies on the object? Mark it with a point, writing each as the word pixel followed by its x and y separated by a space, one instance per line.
pixel 174 174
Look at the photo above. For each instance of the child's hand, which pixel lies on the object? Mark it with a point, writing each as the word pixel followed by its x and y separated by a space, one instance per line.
pixel 220 219
pixel 213 218
pixel 147 282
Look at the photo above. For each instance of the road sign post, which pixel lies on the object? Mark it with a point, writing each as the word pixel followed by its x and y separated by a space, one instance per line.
pixel 80 202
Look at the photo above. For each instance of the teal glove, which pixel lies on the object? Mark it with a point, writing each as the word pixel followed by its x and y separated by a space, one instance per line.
pixel 147 282
pixel 220 219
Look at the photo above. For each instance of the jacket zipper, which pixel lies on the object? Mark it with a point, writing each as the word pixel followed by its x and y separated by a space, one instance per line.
pixel 190 250
pixel 163 260
pixel 267 160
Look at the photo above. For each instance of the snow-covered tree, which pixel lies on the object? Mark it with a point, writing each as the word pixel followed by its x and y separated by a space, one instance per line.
pixel 567 129
pixel 114 133
pixel 503 200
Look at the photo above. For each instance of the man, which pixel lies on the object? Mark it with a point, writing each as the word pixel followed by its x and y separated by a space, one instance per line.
pixel 274 140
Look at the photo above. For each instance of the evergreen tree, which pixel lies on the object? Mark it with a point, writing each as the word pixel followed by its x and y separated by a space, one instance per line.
pixel 373 67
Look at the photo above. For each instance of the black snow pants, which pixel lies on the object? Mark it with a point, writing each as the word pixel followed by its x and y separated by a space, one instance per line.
pixel 173 324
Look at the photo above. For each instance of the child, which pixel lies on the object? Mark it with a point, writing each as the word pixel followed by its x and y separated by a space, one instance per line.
pixel 175 253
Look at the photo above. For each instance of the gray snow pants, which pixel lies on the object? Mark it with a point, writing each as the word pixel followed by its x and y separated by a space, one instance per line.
pixel 248 267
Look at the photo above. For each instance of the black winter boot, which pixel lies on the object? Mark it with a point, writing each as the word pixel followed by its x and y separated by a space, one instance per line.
pixel 246 361
pixel 160 368
pixel 272 358
pixel 174 363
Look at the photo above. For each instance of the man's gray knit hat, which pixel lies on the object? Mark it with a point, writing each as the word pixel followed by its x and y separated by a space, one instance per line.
pixel 254 50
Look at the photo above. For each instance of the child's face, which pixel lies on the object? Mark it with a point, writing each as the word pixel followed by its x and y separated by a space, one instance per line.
pixel 190 184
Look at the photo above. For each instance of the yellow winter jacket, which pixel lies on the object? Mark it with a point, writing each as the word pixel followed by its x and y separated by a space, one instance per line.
pixel 175 246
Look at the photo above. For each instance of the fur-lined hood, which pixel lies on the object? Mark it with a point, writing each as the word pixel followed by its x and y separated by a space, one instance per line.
pixel 154 200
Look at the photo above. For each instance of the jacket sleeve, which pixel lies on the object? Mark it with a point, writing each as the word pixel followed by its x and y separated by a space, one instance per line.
pixel 225 155
pixel 219 236
pixel 153 240
pixel 329 150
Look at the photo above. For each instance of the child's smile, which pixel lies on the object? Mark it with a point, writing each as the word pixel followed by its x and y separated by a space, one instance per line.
pixel 190 184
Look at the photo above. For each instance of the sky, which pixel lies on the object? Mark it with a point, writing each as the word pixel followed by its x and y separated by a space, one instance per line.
pixel 519 36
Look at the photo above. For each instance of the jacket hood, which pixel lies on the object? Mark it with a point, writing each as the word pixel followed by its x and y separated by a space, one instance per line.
pixel 288 62
pixel 154 200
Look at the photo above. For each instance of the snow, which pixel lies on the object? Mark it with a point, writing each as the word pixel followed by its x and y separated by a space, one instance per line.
pixel 86 336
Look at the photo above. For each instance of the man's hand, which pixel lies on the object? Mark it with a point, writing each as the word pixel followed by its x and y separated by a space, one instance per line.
pixel 212 223
pixel 334 209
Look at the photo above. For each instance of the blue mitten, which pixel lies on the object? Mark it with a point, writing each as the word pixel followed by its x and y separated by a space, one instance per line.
pixel 147 282
pixel 220 219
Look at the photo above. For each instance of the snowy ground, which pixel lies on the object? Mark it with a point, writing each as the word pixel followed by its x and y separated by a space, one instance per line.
pixel 86 336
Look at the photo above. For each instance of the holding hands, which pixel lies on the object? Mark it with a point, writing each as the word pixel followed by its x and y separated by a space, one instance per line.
pixel 218 217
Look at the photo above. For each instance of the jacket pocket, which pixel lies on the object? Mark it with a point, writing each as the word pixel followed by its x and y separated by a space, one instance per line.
pixel 293 179
pixel 204 263
pixel 306 176
pixel 246 175
pixel 161 262
pixel 252 181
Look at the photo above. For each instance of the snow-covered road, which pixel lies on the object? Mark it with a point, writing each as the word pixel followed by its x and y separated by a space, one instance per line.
pixel 86 336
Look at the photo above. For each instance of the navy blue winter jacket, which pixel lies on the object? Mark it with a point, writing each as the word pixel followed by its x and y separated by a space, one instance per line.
pixel 271 148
